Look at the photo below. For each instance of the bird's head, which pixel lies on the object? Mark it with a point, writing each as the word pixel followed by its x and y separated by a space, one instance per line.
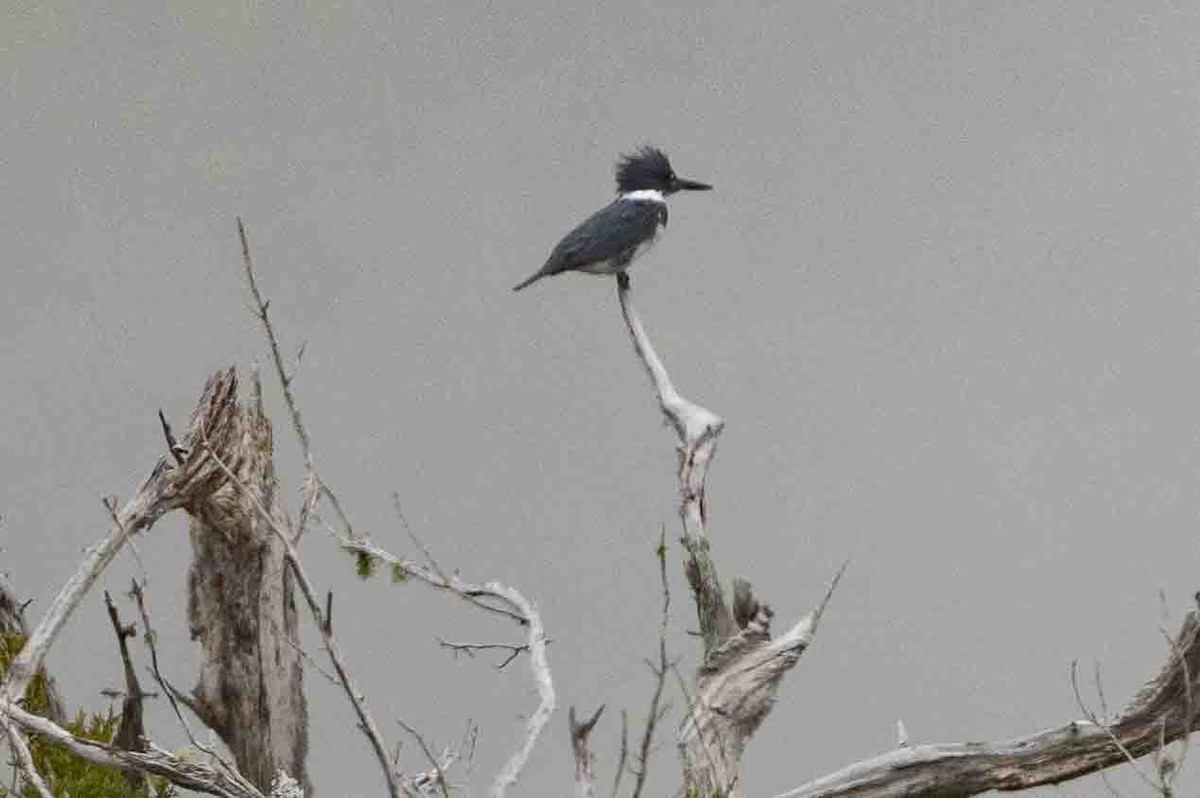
pixel 648 168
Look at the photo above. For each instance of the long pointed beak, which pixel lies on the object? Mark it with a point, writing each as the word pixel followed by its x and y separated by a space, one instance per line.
pixel 691 185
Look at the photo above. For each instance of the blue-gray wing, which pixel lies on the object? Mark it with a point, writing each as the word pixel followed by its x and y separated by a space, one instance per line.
pixel 611 233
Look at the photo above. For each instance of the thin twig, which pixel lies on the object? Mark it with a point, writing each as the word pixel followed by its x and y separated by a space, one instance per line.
pixel 262 307
pixel 477 595
pixel 660 671
pixel 1091 716
pixel 513 604
pixel 437 767
pixel 110 504
pixel 309 659
pixel 470 648
pixel 623 755
pixel 174 697
pixel 365 721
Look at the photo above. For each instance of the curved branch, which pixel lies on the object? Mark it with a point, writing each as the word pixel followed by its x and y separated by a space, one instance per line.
pixel 698 430
pixel 507 601
pixel 1159 714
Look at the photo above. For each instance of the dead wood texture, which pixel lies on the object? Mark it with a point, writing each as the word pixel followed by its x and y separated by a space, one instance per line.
pixel 743 665
pixel 241 606
pixel 250 689
pixel 1162 711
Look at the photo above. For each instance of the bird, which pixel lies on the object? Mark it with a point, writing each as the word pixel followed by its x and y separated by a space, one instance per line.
pixel 609 240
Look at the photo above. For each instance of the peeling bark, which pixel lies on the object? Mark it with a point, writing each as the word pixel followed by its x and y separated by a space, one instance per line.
pixel 241 608
pixel 272 704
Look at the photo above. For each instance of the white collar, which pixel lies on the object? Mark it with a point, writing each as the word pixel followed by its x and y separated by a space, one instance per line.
pixel 644 195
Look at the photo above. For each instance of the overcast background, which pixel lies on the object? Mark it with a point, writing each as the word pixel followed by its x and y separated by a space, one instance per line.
pixel 945 295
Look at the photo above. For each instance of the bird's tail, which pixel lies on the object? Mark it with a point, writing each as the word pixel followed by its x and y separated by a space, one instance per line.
pixel 525 283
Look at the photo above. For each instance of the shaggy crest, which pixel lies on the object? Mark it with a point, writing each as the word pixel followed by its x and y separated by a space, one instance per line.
pixel 647 168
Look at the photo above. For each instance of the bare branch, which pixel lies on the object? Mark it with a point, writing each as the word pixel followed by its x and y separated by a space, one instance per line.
pixel 1156 716
pixel 14 629
pixel 659 670
pixel 169 486
pixel 698 430
pixel 584 780
pixel 180 772
pixel 174 697
pixel 25 760
pixel 623 756
pixel 1091 716
pixel 131 732
pixel 505 600
pixel 355 697
pixel 285 383
pixel 514 604
pixel 439 774
pixel 470 648
pixel 477 595
pixel 742 666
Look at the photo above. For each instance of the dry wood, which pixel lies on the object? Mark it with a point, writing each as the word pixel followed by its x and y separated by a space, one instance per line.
pixel 184 773
pixel 1160 713
pixel 585 782
pixel 742 666
pixel 241 606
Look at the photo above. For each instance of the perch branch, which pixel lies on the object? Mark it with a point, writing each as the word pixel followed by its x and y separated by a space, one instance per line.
pixel 742 666
pixel 698 430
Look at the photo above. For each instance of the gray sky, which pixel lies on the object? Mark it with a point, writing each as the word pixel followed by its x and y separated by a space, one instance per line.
pixel 945 296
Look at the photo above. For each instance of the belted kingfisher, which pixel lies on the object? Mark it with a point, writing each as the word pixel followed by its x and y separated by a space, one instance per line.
pixel 612 237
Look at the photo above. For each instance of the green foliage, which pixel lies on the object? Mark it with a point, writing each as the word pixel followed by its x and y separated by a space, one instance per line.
pixel 65 773
pixel 398 573
pixel 364 565
pixel 692 793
